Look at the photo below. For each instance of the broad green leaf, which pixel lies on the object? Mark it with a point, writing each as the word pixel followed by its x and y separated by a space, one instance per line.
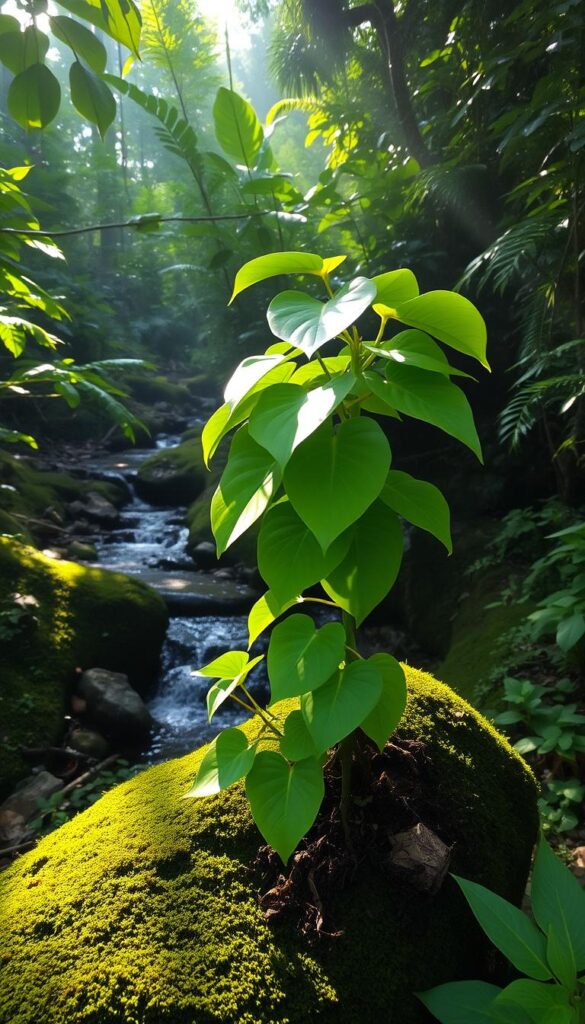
pixel 227 666
pixel 276 263
pixel 225 418
pixel 370 567
pixel 247 374
pixel 511 931
pixel 570 630
pixel 290 558
pixel 308 323
pixel 286 414
pixel 558 901
pixel 395 286
pixel 284 798
pixel 433 399
pixel 79 39
pixel 314 372
pixel 342 704
pixel 334 476
pixel 535 998
pixel 8 24
pixel 220 691
pixel 263 613
pixel 414 348
pixel 379 401
pixel 383 720
pixel 20 50
pixel 237 127
pixel 421 503
pixel 228 759
pixel 246 486
pixel 449 317
pixel 302 658
pixel 296 743
pixel 34 96
pixel 463 1002
pixel 561 957
pixel 91 97
pixel 123 22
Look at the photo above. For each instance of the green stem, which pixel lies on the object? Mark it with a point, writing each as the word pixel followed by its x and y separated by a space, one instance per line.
pixel 260 711
pixel 346 746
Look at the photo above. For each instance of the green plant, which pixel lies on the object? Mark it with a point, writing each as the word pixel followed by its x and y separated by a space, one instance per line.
pixel 55 810
pixel 549 952
pixel 16 614
pixel 553 727
pixel 318 476
pixel 561 804
pixel 562 612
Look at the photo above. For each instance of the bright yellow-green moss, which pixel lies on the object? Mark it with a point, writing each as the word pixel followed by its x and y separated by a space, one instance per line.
pixel 85 617
pixel 174 475
pixel 143 909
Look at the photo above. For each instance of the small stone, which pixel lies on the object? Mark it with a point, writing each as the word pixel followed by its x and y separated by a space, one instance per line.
pixel 23 804
pixel 12 827
pixel 204 555
pixel 422 856
pixel 114 705
pixel 89 742
pixel 80 551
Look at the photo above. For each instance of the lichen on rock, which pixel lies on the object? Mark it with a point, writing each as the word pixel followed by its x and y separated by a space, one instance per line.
pixel 144 909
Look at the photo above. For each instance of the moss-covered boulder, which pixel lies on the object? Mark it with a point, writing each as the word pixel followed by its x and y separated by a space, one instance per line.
pixel 67 616
pixel 144 909
pixel 174 476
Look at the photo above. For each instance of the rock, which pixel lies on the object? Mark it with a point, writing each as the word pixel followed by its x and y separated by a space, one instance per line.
pixel 204 555
pixel 81 552
pixel 23 804
pixel 173 476
pixel 97 509
pixel 196 593
pixel 198 521
pixel 86 741
pixel 114 705
pixel 85 617
pixel 152 896
pixel 420 856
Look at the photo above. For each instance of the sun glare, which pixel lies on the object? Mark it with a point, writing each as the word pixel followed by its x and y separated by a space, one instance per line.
pixel 225 12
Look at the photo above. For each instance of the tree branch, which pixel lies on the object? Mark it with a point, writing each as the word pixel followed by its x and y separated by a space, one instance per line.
pixel 62 233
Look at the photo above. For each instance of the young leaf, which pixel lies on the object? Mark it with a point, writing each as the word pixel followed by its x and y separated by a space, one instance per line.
pixel 395 286
pixel 91 97
pixel 237 127
pixel 368 570
pixel 247 374
pixel 273 265
pixel 290 559
pixel 308 323
pixel 266 609
pixel 421 503
pixel 434 399
pixel 334 476
pixel 414 348
pixel 296 743
pixel 463 1002
pixel 247 484
pixel 509 929
pixel 227 666
pixel 449 317
pixel 34 97
pixel 228 759
pixel 285 414
pixel 558 901
pixel 342 704
pixel 220 691
pixel 284 798
pixel 536 999
pixel 302 658
pixel 385 716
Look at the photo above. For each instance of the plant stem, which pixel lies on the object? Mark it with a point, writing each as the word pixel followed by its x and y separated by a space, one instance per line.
pixel 346 746
pixel 261 711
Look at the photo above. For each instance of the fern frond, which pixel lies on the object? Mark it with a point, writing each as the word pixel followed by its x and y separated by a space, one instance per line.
pixel 514 253
pixel 306 105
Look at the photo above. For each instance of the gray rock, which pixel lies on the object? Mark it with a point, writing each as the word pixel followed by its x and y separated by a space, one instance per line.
pixel 205 555
pixel 114 706
pixel 198 593
pixel 97 509
pixel 81 552
pixel 23 804
pixel 86 741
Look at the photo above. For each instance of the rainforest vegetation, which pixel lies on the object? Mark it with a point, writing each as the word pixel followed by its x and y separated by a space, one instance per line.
pixel 292 531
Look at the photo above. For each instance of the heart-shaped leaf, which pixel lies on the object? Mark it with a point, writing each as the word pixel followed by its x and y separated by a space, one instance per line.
pixel 247 374
pixel 284 798
pixel 228 759
pixel 368 570
pixel 247 484
pixel 420 502
pixel 334 476
pixel 302 658
pixel 433 399
pixel 227 666
pixel 339 707
pixel 395 286
pixel 220 691
pixel 308 323
pixel 266 609
pixel 290 559
pixel 384 718
pixel 449 317
pixel 275 263
pixel 296 743
pixel 286 414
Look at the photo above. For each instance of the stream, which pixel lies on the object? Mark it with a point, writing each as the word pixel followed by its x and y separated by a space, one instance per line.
pixel 149 542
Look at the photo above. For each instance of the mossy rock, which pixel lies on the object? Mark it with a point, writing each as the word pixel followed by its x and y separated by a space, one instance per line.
pixel 174 476
pixel 144 909
pixel 83 618
pixel 150 388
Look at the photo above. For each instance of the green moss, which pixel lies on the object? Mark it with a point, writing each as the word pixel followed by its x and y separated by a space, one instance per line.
pixel 173 476
pixel 85 618
pixel 143 909
pixel 156 388
pixel 480 640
